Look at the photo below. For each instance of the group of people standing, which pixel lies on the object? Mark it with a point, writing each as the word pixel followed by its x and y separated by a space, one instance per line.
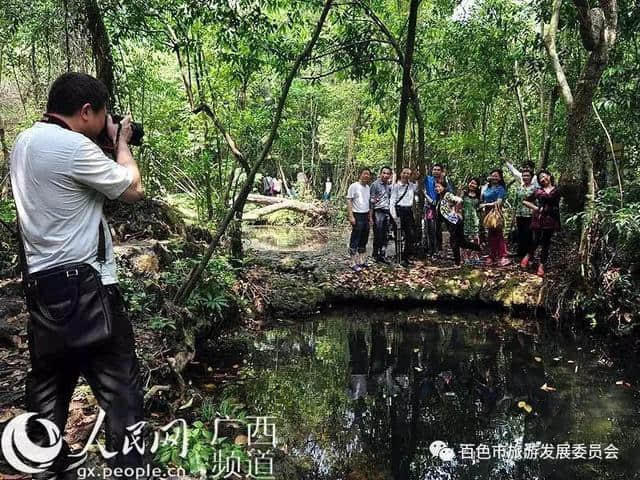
pixel 272 186
pixel 473 217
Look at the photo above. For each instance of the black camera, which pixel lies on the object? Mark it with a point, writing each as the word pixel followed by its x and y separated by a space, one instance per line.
pixel 137 130
pixel 107 145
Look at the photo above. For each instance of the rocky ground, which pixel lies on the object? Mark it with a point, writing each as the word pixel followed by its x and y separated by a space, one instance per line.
pixel 304 279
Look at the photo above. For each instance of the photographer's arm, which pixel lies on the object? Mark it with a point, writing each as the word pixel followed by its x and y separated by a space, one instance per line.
pixel 134 192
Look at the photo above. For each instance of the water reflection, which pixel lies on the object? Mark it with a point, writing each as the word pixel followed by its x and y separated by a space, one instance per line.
pixel 364 396
pixel 284 238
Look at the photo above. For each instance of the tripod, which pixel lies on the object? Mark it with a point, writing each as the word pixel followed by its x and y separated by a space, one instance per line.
pixel 399 239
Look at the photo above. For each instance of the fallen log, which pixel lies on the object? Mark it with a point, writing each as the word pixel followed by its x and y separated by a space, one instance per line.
pixel 273 204
pixel 264 199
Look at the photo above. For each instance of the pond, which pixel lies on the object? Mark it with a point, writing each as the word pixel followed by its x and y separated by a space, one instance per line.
pixel 280 238
pixel 432 395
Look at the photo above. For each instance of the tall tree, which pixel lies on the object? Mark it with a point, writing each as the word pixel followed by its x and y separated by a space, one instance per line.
pixel 598 30
pixel 4 170
pixel 406 81
pixel 100 46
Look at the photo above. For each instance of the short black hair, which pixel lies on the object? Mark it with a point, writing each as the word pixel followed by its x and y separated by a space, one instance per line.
pixel 71 91
pixel 365 169
pixel 387 167
pixel 439 165
pixel 499 172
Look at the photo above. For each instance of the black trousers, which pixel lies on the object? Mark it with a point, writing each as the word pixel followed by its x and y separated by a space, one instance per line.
pixel 541 238
pixel 359 234
pixel 430 233
pixel 457 239
pixel 408 227
pixel 525 235
pixel 380 232
pixel 439 221
pixel 111 370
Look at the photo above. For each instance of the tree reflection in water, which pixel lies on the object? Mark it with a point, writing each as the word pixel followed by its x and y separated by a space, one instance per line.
pixel 363 396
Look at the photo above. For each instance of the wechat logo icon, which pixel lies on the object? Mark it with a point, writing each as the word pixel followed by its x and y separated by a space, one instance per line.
pixel 440 449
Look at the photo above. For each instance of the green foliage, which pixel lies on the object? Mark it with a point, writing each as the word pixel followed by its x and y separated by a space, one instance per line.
pixel 203 449
pixel 210 302
pixel 7 211
pixel 213 293
pixel 158 322
pixel 286 217
pixel 613 289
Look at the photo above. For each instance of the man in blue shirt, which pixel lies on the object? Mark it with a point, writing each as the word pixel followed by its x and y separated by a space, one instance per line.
pixel 433 226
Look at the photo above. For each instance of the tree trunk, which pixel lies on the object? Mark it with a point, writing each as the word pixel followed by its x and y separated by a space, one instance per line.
pixel 274 204
pixel 598 28
pixel 350 157
pixel 67 50
pixel 4 171
pixel 485 122
pixel 406 82
pixel 285 183
pixel 417 112
pixel 235 236
pixel 100 47
pixel 547 137
pixel 578 132
pixel 523 113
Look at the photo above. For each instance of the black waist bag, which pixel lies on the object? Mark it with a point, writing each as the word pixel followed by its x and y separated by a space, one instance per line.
pixel 69 309
pixel 68 305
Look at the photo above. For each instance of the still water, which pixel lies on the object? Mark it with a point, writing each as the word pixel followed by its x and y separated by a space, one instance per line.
pixel 432 395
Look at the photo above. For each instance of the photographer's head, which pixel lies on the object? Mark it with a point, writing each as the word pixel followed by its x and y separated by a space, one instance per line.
pixel 81 101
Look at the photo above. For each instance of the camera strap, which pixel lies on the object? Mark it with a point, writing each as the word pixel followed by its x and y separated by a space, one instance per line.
pixel 48 118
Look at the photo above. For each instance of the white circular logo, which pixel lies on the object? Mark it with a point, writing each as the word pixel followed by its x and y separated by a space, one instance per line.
pixel 438 448
pixel 24 455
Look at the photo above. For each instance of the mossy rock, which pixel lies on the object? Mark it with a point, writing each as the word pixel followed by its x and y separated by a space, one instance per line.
pixel 288 264
pixel 291 295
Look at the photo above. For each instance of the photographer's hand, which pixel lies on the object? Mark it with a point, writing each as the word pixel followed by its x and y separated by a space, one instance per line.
pixel 124 157
pixel 126 130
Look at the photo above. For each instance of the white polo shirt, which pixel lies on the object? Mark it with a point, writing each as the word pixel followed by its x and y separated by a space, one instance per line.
pixel 59 180
pixel 360 197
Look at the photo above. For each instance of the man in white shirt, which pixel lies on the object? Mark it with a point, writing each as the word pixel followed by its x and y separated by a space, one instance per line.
pixel 359 214
pixel 60 179
pixel 327 189
pixel 401 207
